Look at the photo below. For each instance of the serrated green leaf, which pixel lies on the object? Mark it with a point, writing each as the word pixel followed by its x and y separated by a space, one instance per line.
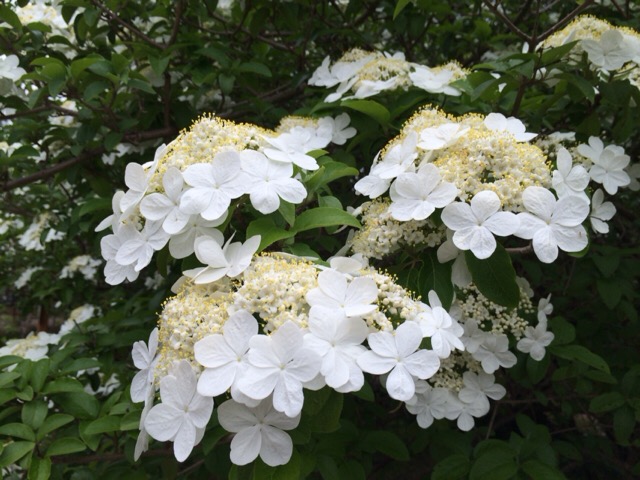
pixel 80 65
pixel 34 413
pixel 370 108
pixel 387 443
pixel 495 277
pixel 436 276
pixel 324 217
pixel 40 469
pixel 103 425
pixel 79 404
pixel 551 55
pixel 494 464
pixel 268 231
pixel 52 423
pixel 327 419
pixel 606 402
pixel 17 430
pixel 581 354
pixel 255 67
pixel 288 212
pixel 451 468
pixel 65 446
pixel 400 6
pixel 563 331
pixel 541 471
pixel 14 451
pixel 141 85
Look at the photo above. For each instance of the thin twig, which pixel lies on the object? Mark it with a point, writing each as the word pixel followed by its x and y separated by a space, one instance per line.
pixel 520 250
pixel 507 21
pixel 128 26
pixel 561 23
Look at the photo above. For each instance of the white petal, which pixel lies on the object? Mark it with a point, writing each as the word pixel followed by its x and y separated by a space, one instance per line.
pixel 246 445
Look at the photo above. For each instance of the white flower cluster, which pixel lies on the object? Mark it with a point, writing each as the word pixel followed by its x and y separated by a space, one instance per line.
pixel 186 191
pixel 615 50
pixel 84 264
pixel 369 73
pixel 502 181
pixel 285 325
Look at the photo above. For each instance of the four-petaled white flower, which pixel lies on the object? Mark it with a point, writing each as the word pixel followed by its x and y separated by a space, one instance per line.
pixel 230 260
pixel 460 275
pixel 114 272
pixel 258 431
pixel 337 340
pixel 601 212
pixel 399 354
pixel 608 164
pixel 478 388
pixel 223 355
pixel 553 224
pixel 475 225
pixel 335 292
pixel 464 412
pixel 139 248
pixel 569 179
pixel 144 358
pixel 182 244
pixel 428 403
pixel 268 181
pixel 610 52
pixel 293 148
pixel 499 123
pixel 165 207
pixel 214 185
pixel 137 177
pixel 279 364
pixel 535 340
pixel 340 129
pixel 494 353
pixel 398 160
pixel 443 136
pixel 182 413
pixel 437 324
pixel 415 196
pixel 433 81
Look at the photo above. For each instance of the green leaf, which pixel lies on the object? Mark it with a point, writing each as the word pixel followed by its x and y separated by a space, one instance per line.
pixel 495 277
pixel 40 469
pixel 370 108
pixel 387 443
pixel 80 65
pixel 159 65
pixel 131 421
pixel 288 212
pixel 610 293
pixel 226 82
pixel 399 7
pixel 494 464
pixel 624 423
pixel 103 425
pixel 551 55
pixel 79 404
pixel 327 419
pixel 451 468
pixel 324 217
pixel 289 471
pixel 7 378
pixel 541 471
pixel 52 423
pixel 34 413
pixel 39 373
pixel 14 451
pixel 268 231
pixel 563 331
pixel 9 360
pixel 18 430
pixel 606 402
pixel 581 354
pixel 255 67
pixel 66 445
pixel 434 275
pixel 8 15
pixel 329 172
pixel 64 384
pixel 141 85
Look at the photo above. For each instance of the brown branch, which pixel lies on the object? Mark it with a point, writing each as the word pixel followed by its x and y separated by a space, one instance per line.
pixel 128 26
pixel 507 21
pixel 58 167
pixel 520 250
pixel 561 23
pixel 176 24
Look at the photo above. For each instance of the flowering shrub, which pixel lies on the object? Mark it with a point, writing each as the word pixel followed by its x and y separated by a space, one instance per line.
pixel 391 243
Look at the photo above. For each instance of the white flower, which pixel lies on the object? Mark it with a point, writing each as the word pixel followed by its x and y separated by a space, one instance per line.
pixel 279 364
pixel 214 185
pixel 9 67
pixel 223 355
pixel 553 224
pixel 611 52
pixel 230 260
pixel 415 196
pixel 337 340
pixel 352 299
pixel 443 136
pixel 634 174
pixel 473 336
pixel 182 413
pixel 165 207
pixel 114 272
pixel 545 308
pixel 137 177
pixel 140 247
pixel 428 403
pixel 494 353
pixel 464 412
pixel 499 123
pixel 182 244
pixel 478 388
pixel 443 330
pixel 340 129
pixel 460 274
pixel 535 340
pixel 258 431
pixel 601 212
pixel 144 358
pixel 476 224
pixel 398 160
pixel 399 355
pixel 608 164
pixel 567 179
pixel 269 181
pixel 293 147
pixel 115 219
pixel 372 185
pixel 369 88
pixel 433 81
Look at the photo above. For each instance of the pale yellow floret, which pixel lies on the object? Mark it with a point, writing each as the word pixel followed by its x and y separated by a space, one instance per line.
pixel 383 68
pixel 291 121
pixel 208 136
pixel 454 67
pixel 275 287
pixel 581 28
pixel 356 54
pixel 381 235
